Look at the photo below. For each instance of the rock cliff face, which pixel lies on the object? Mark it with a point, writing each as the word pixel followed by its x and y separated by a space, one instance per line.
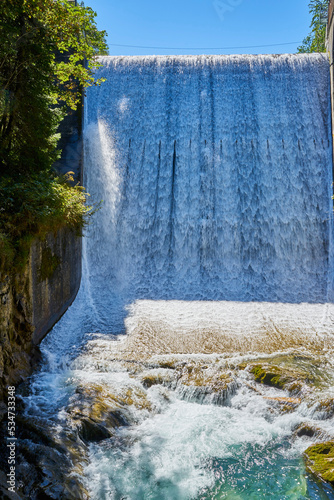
pixel 16 331
pixel 33 301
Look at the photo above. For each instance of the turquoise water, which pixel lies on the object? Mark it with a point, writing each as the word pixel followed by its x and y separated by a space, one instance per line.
pixel 251 473
pixel 259 473
pixel 201 452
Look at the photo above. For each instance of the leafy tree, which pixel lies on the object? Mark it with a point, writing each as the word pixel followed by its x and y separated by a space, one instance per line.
pixel 47 55
pixel 48 51
pixel 316 40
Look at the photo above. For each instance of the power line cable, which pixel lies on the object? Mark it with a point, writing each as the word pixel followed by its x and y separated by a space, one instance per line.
pixel 202 48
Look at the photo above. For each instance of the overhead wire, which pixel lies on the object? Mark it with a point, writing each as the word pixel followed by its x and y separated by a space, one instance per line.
pixel 203 48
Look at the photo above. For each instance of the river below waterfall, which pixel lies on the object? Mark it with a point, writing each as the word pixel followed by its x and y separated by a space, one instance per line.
pixel 197 360
pixel 174 410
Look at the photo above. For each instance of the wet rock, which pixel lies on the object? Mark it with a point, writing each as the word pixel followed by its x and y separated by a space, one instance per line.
pixel 91 431
pixel 99 400
pixel 200 381
pixel 203 376
pixel 44 432
pixel 33 296
pixel 206 384
pixel 308 430
pixel 285 405
pixel 4 493
pixel 319 461
pixel 95 411
pixel 16 330
pixel 171 363
pixel 326 408
pixel 292 380
pixel 159 377
pixel 3 410
pixel 42 446
pixel 37 430
pixel 41 477
pixel 271 376
pixel 298 374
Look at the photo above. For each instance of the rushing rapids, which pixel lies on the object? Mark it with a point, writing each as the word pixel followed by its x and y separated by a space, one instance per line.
pixel 213 252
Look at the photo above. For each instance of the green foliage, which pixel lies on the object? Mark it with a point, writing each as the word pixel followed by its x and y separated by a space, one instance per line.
pixel 74 34
pixel 35 207
pixel 48 52
pixel 35 85
pixel 27 123
pixel 316 40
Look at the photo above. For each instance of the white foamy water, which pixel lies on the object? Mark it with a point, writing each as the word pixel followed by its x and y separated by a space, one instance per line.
pixel 190 451
pixel 213 246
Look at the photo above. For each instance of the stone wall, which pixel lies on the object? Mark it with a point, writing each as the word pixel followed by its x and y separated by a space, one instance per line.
pixel 55 279
pixel 34 300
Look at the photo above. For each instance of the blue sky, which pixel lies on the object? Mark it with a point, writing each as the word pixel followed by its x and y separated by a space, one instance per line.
pixel 203 24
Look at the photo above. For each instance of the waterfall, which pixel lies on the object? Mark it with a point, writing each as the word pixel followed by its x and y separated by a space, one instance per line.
pixel 216 176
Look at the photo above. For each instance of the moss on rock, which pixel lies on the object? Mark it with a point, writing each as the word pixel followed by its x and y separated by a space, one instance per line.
pixel 268 376
pixel 49 263
pixel 319 461
pixel 281 377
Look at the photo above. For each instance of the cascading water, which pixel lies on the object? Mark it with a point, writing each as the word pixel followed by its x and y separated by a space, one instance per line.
pixel 216 175
pixel 213 252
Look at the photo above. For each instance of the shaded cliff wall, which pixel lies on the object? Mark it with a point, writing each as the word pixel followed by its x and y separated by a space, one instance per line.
pixel 71 145
pixel 16 331
pixel 34 300
pixel 55 279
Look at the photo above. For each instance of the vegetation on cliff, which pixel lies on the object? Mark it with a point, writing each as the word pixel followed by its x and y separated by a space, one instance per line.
pixel 47 55
pixel 316 40
pixel 33 206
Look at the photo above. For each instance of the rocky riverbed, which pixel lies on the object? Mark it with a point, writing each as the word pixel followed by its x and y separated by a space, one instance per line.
pixel 109 389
